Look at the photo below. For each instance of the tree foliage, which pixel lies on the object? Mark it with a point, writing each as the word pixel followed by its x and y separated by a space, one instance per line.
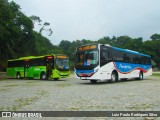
pixel 17 37
pixel 37 19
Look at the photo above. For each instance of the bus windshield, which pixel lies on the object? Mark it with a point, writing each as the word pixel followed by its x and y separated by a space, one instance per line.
pixel 87 58
pixel 62 63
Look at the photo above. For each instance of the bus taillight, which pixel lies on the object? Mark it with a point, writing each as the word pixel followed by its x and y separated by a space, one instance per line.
pixel 26 60
pixel 49 57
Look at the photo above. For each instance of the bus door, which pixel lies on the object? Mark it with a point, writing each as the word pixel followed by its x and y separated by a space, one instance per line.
pixel 49 66
pixel 26 68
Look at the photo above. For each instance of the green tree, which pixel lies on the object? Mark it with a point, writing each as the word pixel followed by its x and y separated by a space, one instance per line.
pixel 134 44
pixel 152 48
pixel 37 19
pixel 43 28
pixel 42 45
pixel 65 44
pixel 122 41
pixel 6 42
pixel 104 40
pixel 15 29
pixel 155 37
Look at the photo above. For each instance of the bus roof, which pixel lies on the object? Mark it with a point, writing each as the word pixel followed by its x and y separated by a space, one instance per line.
pixel 120 49
pixel 34 57
pixel 29 57
pixel 130 51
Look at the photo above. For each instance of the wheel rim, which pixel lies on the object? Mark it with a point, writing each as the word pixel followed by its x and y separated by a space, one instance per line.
pixel 18 76
pixel 113 77
pixel 141 76
pixel 43 76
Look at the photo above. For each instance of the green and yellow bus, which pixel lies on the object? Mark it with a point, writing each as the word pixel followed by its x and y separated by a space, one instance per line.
pixel 52 66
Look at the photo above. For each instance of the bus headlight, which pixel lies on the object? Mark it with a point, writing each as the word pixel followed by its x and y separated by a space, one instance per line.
pixel 96 70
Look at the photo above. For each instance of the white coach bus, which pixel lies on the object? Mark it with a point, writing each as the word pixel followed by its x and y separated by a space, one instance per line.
pixel 98 62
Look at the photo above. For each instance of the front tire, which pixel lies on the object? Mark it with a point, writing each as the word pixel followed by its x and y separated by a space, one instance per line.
pixel 114 77
pixel 43 76
pixel 56 79
pixel 141 75
pixel 18 76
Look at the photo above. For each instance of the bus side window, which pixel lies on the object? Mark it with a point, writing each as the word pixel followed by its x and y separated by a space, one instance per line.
pixel 148 61
pixel 117 56
pixel 145 60
pixel 136 59
pixel 105 55
pixel 126 57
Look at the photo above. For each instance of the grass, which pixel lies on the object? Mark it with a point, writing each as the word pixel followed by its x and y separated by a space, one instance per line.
pixel 4 90
pixel 62 85
pixel 2 108
pixel 142 106
pixel 90 107
pixel 25 84
pixel 74 109
pixel 22 102
pixel 156 74
pixel 42 93
pixel 11 85
pixel 19 103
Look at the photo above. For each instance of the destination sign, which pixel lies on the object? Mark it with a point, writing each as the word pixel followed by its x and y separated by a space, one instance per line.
pixel 87 47
pixel 62 56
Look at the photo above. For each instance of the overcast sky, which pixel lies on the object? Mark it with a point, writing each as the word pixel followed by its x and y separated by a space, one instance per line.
pixel 94 19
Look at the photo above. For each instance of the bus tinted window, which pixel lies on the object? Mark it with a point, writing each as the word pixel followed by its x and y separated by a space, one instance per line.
pixel 129 57
pixel 18 63
pixel 105 55
pixel 37 62
pixel 145 60
pixel 117 56
pixel 125 57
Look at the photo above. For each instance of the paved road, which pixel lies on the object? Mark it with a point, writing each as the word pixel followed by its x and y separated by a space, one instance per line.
pixel 76 95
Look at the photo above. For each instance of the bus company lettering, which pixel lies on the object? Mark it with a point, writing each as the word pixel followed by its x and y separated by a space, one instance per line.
pixel 125 66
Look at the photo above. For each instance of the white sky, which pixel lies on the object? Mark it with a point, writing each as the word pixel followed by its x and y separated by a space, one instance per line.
pixel 94 19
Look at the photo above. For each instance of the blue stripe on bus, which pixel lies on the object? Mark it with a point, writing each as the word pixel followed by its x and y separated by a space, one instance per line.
pixel 128 67
pixel 84 71
pixel 130 51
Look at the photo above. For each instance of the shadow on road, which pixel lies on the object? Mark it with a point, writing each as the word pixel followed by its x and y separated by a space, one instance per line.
pixel 106 82
pixel 26 79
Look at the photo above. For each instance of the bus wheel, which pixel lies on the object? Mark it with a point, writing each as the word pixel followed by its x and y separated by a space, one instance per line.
pixel 93 81
pixel 18 76
pixel 43 76
pixel 113 77
pixel 56 78
pixel 141 75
